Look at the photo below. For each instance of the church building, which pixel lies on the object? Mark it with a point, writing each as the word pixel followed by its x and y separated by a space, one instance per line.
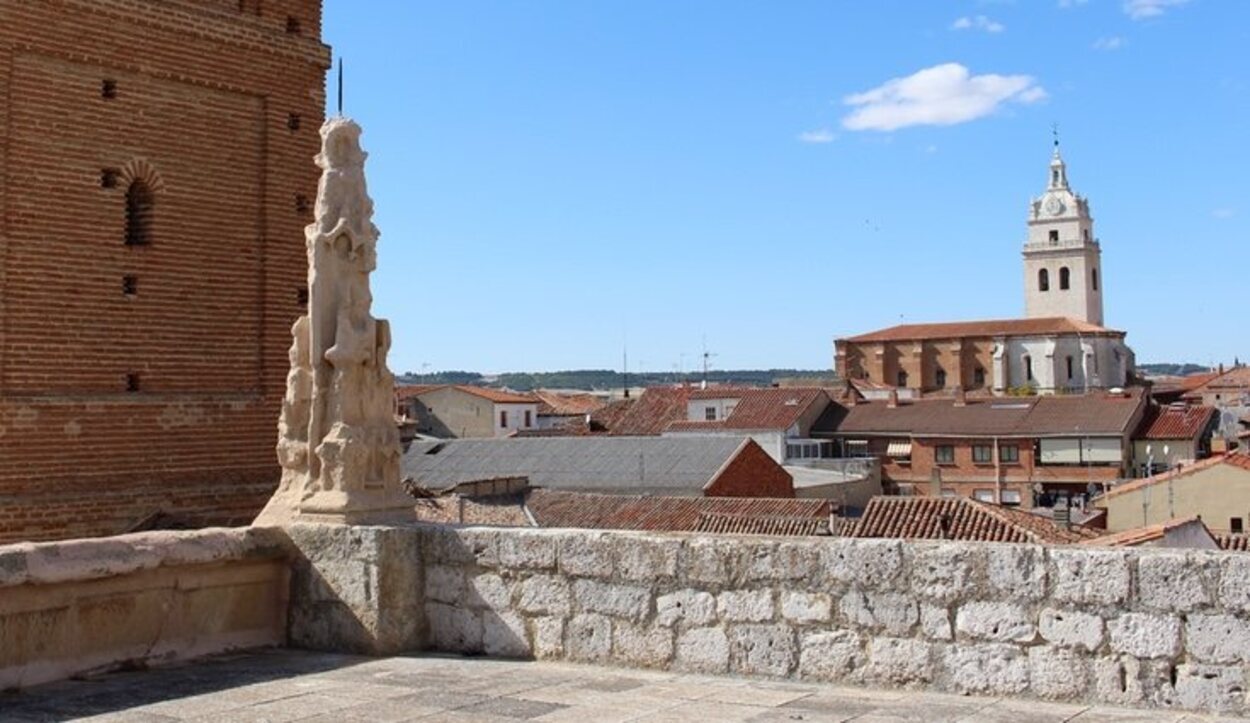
pixel 1061 346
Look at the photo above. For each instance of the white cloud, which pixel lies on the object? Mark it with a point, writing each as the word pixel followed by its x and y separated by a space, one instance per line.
pixel 978 22
pixel 1224 213
pixel 1142 9
pixel 1113 42
pixel 1071 3
pixel 822 135
pixel 942 95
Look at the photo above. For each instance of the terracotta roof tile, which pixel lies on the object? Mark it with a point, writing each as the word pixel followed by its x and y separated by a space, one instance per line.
pixel 552 403
pixel 1233 542
pixel 757 408
pixel 988 328
pixel 1141 535
pixel 498 396
pixel 958 518
pixel 1174 422
pixel 553 508
pixel 729 524
pixel 651 413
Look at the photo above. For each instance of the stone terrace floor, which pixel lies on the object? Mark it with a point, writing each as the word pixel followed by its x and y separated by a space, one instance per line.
pixel 289 685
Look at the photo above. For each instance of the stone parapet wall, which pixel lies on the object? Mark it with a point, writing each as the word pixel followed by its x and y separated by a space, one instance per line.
pixel 1130 627
pixel 72 607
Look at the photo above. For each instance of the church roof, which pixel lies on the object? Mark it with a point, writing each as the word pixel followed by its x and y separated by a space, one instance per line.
pixel 990 328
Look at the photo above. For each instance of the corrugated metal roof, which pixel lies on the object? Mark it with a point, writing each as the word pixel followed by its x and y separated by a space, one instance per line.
pixel 680 465
pixel 553 508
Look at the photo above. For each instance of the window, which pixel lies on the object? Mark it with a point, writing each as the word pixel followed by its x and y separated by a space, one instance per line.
pixel 1054 176
pixel 292 121
pixel 302 204
pixel 1011 498
pixel 108 89
pixel 528 420
pixel 1065 279
pixel 1234 524
pixel 982 454
pixel 1028 367
pixel 1053 237
pixel 709 414
pixel 292 25
pixel 1009 454
pixel 108 178
pixel 1043 280
pixel 902 379
pixel 1069 360
pixel 944 454
pixel 139 203
pixel 939 378
pixel 983 495
pixel 978 377
pixel 1094 278
pixel 503 418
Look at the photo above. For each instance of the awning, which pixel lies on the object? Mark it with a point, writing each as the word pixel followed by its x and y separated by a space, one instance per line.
pixel 899 449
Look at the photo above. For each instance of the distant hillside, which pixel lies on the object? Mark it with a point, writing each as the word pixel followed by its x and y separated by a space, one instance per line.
pixel 605 379
pixel 1169 369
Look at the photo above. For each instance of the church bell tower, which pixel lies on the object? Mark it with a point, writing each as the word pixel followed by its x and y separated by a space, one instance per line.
pixel 1062 259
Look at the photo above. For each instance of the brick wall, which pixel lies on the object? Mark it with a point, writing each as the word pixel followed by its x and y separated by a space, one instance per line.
pixel 752 473
pixel 215 106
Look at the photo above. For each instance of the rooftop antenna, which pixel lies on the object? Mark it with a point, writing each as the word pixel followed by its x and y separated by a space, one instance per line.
pixel 340 86
pixel 707 358
pixel 625 369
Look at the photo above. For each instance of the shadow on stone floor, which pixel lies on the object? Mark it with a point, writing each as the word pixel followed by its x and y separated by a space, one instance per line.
pixel 119 690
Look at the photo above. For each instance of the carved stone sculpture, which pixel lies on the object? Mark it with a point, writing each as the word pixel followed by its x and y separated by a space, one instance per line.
pixel 337 440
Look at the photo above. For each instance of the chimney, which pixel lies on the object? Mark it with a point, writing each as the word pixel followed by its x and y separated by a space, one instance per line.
pixel 892 401
pixel 961 398
pixel 1221 367
pixel 849 393
pixel 1063 516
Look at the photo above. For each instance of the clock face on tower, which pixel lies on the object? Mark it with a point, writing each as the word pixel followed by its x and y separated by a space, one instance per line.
pixel 1054 206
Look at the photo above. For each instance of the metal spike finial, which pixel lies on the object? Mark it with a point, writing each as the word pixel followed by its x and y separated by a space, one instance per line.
pixel 1054 129
pixel 340 86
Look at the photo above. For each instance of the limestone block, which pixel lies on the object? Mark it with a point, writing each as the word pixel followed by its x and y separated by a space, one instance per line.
pixel 642 559
pixel 548 638
pixel 454 546
pixel 707 560
pixel 762 649
pixel 895 613
pixel 694 607
pixel 504 634
pixel 650 647
pixel 1089 576
pixel 1218 638
pixel 1117 679
pixel 1171 582
pixel 803 607
pixel 935 622
pixel 769 560
pixel 13 570
pixel 943 572
pixel 999 622
pixel 752 606
pixel 444 584
pixel 624 601
pixel 899 660
pixel 993 668
pixel 865 563
pixel 489 590
pixel 527 549
pixel 702 650
pixel 1072 628
pixel 586 554
pixel 1057 673
pixel 1211 687
pixel 454 629
pixel 830 655
pixel 1016 572
pixel 545 594
pixel 1143 635
pixel 588 637
pixel 1235 582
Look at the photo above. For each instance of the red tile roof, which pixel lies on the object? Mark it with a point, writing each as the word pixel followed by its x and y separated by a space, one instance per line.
pixel 1174 422
pixel 1235 542
pixel 759 408
pixel 725 524
pixel 552 403
pixel 1235 459
pixel 1233 380
pixel 990 328
pixel 958 518
pixel 1059 415
pixel 1141 535
pixel 552 508
pixel 499 396
pixel 649 414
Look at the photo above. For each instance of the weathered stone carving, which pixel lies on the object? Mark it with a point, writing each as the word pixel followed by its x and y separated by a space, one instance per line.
pixel 337 440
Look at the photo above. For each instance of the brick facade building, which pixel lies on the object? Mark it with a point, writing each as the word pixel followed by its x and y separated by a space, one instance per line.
pixel 156 176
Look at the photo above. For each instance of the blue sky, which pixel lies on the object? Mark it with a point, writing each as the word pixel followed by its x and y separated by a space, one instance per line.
pixel 556 179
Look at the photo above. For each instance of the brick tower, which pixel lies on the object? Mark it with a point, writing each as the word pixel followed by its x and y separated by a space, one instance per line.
pixel 157 173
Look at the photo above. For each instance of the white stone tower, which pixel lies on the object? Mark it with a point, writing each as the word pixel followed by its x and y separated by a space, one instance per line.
pixel 1062 260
